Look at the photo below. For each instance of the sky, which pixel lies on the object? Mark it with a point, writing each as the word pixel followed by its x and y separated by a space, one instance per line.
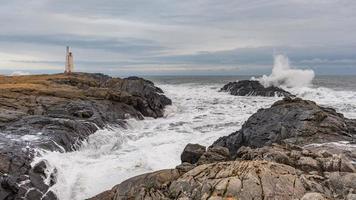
pixel 177 37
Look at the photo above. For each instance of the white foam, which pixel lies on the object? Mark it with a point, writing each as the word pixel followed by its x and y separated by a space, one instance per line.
pixel 343 101
pixel 20 73
pixel 199 114
pixel 284 75
pixel 29 138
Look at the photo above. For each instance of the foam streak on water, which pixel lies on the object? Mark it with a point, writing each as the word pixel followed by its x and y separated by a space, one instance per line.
pixel 199 114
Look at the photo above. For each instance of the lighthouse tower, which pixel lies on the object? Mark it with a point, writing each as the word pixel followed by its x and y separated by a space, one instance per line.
pixel 69 67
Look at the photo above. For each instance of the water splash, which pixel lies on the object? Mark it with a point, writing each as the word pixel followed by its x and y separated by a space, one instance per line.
pixel 200 114
pixel 284 75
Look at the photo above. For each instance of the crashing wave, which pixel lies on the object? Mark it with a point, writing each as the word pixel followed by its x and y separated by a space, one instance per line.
pixel 286 76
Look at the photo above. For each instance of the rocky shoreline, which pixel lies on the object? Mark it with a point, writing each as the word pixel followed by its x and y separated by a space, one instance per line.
pixel 56 113
pixel 286 151
pixel 270 157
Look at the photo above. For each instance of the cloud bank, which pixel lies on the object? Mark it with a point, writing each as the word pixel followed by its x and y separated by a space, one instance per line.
pixel 141 37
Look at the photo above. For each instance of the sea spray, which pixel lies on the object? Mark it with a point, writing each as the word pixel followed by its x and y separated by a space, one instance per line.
pixel 199 114
pixel 284 75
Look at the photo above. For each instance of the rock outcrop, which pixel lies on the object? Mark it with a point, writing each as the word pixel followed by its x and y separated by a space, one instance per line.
pixel 253 88
pixel 57 112
pixel 266 159
pixel 242 179
pixel 293 121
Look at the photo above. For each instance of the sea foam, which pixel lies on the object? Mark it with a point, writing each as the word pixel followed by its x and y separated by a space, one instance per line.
pixel 286 76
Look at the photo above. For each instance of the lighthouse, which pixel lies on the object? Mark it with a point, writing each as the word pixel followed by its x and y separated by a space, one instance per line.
pixel 69 67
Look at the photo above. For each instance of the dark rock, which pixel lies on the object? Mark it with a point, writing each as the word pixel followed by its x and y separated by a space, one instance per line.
pixel 146 186
pixel 253 88
pixel 214 154
pixel 185 167
pixel 57 112
pixel 293 121
pixel 262 169
pixel 192 153
pixel 40 168
pixel 34 194
pixel 49 196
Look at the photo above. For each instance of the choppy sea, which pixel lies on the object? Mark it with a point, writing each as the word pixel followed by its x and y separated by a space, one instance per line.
pixel 199 114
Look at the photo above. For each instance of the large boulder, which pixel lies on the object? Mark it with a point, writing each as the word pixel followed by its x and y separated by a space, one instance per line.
pixel 57 112
pixel 192 153
pixel 253 88
pixel 243 180
pixel 261 161
pixel 293 121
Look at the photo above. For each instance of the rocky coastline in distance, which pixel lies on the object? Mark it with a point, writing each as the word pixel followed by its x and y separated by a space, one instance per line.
pixel 57 112
pixel 282 152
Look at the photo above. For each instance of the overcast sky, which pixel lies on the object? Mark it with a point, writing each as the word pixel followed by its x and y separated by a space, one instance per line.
pixel 177 37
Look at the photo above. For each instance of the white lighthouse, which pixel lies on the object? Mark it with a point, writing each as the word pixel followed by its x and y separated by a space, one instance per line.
pixel 69 67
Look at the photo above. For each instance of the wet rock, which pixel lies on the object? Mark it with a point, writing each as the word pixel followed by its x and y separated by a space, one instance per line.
pixel 192 153
pixel 273 160
pixel 242 180
pixel 214 154
pixel 185 167
pixel 57 112
pixel 107 195
pixel 49 196
pixel 253 88
pixel 292 155
pixel 34 194
pixel 40 168
pixel 146 186
pixel 293 121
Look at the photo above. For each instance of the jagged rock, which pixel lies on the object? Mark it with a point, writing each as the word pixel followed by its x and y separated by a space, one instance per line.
pixel 185 167
pixel 262 169
pixel 192 153
pixel 253 88
pixel 146 186
pixel 293 121
pixel 214 154
pixel 313 196
pixel 298 158
pixel 242 180
pixel 57 112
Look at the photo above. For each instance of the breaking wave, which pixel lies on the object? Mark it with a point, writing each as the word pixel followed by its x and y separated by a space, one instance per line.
pixel 199 114
pixel 286 76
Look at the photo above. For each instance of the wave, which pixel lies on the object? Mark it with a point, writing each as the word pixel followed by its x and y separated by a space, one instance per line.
pixel 284 75
pixel 199 114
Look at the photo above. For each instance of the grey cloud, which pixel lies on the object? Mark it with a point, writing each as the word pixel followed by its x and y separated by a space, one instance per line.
pixel 121 45
pixel 232 34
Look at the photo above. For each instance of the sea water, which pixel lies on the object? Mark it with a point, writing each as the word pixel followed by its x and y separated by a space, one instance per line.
pixel 199 114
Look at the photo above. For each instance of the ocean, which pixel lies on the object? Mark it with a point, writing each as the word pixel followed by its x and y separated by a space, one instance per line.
pixel 199 114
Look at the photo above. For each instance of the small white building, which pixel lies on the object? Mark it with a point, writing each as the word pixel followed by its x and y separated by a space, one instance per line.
pixel 69 67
